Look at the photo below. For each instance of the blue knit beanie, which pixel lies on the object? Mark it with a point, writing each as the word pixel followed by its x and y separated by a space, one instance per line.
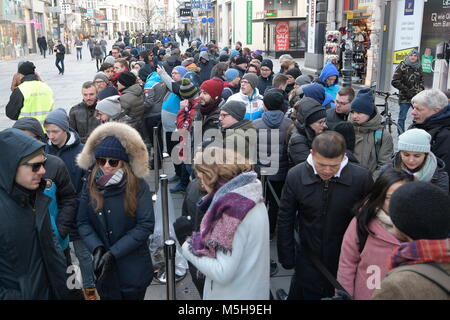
pixel 234 53
pixel 110 147
pixel 181 70
pixel 364 102
pixel 59 118
pixel 231 74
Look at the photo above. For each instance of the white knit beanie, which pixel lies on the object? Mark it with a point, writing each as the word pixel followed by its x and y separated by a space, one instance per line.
pixel 109 106
pixel 415 140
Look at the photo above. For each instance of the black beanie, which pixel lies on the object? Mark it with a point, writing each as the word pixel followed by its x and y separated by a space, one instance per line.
pixel 267 63
pixel 273 100
pixel 421 210
pixel 27 68
pixel 316 116
pixel 364 102
pixel 348 131
pixel 240 60
pixel 294 72
pixel 127 79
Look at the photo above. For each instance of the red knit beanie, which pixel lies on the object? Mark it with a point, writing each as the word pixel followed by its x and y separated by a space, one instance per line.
pixel 213 87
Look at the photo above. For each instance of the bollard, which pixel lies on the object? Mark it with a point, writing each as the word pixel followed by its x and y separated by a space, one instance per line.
pixel 156 157
pixel 165 205
pixel 169 252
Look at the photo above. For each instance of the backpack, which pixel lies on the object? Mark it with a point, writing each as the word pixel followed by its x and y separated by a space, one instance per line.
pixel 430 271
pixel 378 140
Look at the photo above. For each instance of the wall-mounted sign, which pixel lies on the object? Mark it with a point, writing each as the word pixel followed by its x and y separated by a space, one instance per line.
pixel 312 26
pixel 282 36
pixel 185 12
pixel 409 7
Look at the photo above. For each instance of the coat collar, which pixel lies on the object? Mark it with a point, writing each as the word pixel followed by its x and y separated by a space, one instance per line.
pixel 309 176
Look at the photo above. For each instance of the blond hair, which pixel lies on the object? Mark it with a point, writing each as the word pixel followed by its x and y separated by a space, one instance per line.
pixel 216 164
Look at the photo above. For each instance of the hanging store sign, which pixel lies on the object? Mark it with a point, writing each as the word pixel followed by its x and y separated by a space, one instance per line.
pixel 312 26
pixel 249 22
pixel 185 12
pixel 282 32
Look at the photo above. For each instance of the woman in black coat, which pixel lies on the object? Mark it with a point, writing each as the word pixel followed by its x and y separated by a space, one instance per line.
pixel 115 216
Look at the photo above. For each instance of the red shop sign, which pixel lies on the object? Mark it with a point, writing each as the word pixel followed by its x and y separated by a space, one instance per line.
pixel 282 36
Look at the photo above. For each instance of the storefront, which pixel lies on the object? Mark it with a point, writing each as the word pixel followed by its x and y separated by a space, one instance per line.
pixel 358 24
pixel 13 34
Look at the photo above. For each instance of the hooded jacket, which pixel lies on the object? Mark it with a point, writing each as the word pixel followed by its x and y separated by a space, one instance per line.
pixel 365 150
pixel 125 237
pixel 271 121
pixel 32 267
pixel 317 92
pixel 440 176
pixel 254 104
pixel 438 126
pixel 328 71
pixel 302 135
pixel 132 102
pixel 154 93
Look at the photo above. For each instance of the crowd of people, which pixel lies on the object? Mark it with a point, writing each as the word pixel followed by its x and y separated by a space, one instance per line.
pixel 282 155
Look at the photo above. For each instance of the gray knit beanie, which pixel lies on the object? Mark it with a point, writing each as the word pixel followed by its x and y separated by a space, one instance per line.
pixel 59 118
pixel 236 109
pixel 102 76
pixel 109 106
pixel 252 79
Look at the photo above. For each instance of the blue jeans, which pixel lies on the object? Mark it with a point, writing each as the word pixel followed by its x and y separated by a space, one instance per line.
pixel 404 108
pixel 85 259
pixel 79 54
pixel 60 68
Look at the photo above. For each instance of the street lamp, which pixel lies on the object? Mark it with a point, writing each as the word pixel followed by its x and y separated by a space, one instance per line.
pixel 347 71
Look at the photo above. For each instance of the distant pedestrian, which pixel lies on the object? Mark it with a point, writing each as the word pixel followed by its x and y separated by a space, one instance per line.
pixel 42 43
pixel 79 47
pixel 51 45
pixel 60 53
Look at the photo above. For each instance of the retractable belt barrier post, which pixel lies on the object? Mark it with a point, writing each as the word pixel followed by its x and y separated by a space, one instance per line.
pixel 156 157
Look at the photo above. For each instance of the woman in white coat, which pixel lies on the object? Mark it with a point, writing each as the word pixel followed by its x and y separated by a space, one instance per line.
pixel 232 249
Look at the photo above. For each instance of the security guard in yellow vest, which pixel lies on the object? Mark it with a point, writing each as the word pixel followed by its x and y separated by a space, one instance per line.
pixel 32 98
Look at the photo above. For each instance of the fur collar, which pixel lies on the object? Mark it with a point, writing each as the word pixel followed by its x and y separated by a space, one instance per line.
pixel 130 139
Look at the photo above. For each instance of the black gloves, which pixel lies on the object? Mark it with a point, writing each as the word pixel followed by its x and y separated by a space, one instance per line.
pixel 183 228
pixel 97 256
pixel 106 265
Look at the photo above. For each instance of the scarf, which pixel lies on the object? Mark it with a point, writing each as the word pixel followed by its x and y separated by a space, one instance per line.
pixel 209 108
pixel 104 181
pixel 227 208
pixel 385 220
pixel 409 63
pixel 421 251
pixel 427 171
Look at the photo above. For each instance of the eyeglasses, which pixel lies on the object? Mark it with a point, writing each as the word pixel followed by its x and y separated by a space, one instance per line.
pixel 99 81
pixel 112 162
pixel 341 103
pixel 36 166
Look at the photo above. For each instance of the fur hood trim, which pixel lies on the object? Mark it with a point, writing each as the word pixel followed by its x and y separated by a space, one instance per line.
pixel 130 140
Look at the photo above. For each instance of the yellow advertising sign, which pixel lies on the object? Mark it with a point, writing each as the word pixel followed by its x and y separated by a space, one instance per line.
pixel 350 15
pixel 400 55
pixel 364 4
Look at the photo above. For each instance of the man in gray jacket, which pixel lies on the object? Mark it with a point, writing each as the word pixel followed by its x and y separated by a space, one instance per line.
pixel 343 103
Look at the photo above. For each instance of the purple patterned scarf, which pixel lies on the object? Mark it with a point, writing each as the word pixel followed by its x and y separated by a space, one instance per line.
pixel 228 207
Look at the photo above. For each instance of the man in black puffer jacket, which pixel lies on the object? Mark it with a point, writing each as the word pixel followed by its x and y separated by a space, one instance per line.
pixel 318 197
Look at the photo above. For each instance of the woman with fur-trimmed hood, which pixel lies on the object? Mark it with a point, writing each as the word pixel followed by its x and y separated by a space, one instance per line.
pixel 115 216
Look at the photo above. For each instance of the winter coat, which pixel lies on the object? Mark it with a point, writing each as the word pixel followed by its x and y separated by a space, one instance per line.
pixel 440 176
pixel 227 275
pixel 300 142
pixel 125 237
pixel 438 126
pixel 333 118
pixel 254 104
pixel 365 150
pixel 32 267
pixel 82 119
pixel 243 131
pixel 205 72
pixel 229 91
pixel 408 285
pixel 355 268
pixel 264 83
pixel 66 196
pixel 132 102
pixel 323 211
pixel 98 53
pixel 328 71
pixel 272 121
pixel 408 80
pixel 154 94
pixel 190 208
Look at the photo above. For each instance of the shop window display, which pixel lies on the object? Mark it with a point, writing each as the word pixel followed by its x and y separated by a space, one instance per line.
pixel 361 42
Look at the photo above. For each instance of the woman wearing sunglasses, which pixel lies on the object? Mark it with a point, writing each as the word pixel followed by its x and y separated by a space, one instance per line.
pixel 115 216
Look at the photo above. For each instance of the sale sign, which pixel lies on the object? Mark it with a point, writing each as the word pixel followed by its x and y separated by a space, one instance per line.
pixel 282 36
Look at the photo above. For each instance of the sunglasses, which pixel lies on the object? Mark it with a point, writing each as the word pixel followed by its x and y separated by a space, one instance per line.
pixel 112 162
pixel 36 166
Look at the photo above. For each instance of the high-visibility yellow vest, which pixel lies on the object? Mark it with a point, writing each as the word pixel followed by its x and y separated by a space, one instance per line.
pixel 38 100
